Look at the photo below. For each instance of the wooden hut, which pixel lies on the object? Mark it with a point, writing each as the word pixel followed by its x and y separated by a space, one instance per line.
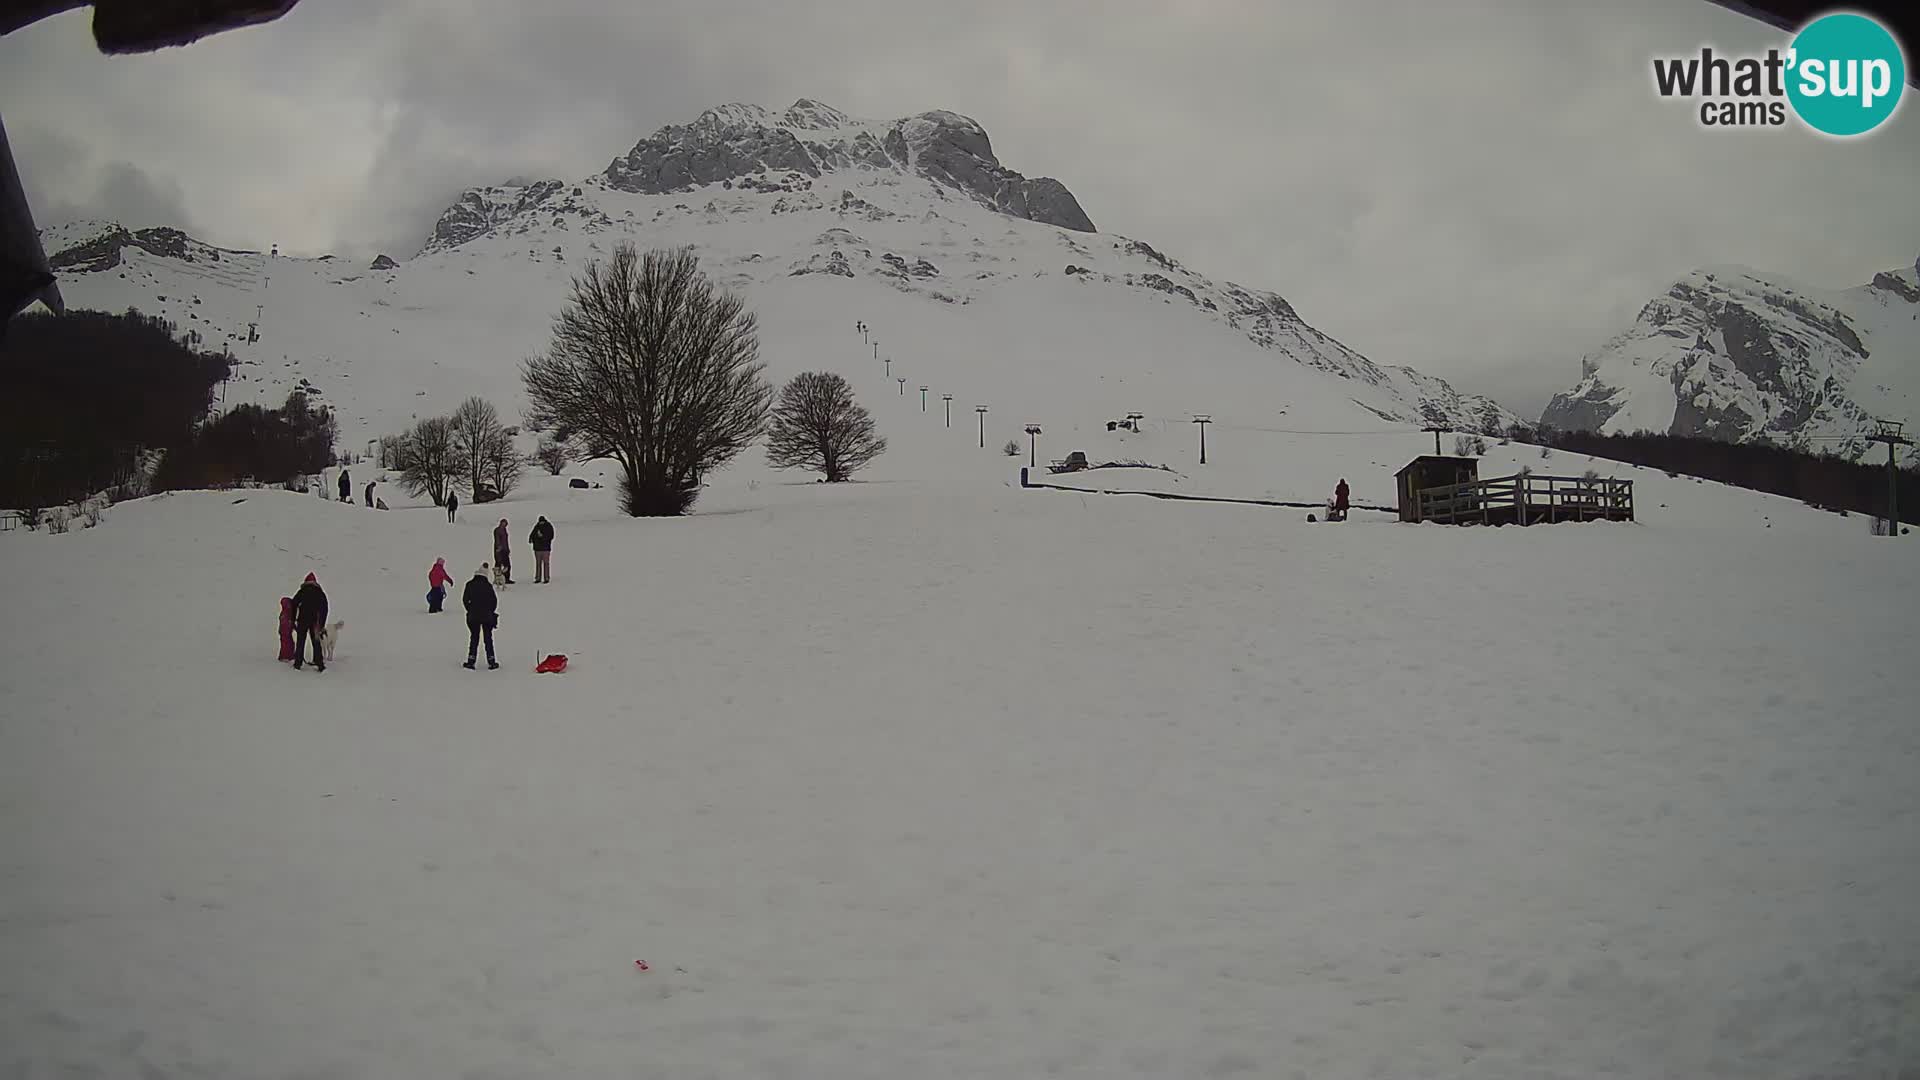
pixel 1428 471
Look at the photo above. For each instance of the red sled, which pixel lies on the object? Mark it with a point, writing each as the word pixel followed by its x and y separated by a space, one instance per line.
pixel 552 665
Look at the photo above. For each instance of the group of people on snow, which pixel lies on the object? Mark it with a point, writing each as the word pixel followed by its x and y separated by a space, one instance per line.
pixel 303 616
pixel 346 491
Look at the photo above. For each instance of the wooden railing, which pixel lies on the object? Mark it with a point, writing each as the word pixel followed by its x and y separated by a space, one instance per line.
pixel 1528 498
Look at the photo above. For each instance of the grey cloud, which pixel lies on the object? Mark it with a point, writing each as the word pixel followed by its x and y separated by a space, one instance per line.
pixel 66 183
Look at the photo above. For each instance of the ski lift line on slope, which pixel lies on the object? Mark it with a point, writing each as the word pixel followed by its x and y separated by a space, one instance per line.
pixel 1293 431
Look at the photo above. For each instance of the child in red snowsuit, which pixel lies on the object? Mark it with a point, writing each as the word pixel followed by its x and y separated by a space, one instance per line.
pixel 437 581
pixel 286 629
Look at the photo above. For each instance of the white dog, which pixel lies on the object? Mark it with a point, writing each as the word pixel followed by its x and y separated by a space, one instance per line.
pixel 330 637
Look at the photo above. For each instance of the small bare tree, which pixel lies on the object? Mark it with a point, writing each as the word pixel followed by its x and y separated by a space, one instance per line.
pixel 476 433
pixel 430 465
pixel 817 425
pixel 553 455
pixel 654 367
pixel 505 466
pixel 393 451
pixel 1012 449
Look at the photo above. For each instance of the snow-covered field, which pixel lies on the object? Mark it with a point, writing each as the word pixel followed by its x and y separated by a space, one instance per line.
pixel 936 777
pixel 928 775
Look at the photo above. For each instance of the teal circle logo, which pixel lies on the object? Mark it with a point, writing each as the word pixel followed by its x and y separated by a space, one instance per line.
pixel 1845 74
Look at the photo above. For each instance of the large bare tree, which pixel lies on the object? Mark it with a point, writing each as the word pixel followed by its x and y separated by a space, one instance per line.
pixel 654 367
pixel 817 425
pixel 428 463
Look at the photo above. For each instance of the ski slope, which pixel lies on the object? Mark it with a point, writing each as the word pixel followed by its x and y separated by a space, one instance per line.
pixel 932 776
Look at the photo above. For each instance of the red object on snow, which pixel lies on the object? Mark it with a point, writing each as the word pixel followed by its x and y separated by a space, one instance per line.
pixel 553 665
pixel 641 964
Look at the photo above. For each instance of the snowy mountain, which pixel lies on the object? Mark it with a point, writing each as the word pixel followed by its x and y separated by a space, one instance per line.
pixel 994 284
pixel 1732 354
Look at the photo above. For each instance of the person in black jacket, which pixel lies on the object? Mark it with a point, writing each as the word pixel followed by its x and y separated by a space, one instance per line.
pixel 542 540
pixel 453 504
pixel 309 614
pixel 483 614
pixel 503 553
pixel 346 487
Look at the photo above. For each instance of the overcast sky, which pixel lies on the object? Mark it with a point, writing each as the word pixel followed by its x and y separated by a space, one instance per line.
pixel 1482 190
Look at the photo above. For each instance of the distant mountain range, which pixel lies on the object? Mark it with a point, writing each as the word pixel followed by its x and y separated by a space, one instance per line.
pixel 1731 353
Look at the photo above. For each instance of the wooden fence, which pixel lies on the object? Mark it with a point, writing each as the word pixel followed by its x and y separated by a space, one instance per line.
pixel 1528 499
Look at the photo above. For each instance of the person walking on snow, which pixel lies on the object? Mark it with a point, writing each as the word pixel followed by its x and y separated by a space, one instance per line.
pixel 1339 501
pixel 503 553
pixel 346 487
pixel 309 614
pixel 437 581
pixel 370 493
pixel 286 629
pixel 542 540
pixel 483 614
pixel 453 504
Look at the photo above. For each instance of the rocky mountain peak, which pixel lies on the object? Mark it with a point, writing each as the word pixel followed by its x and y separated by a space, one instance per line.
pixel 736 141
pixel 1731 353
pixel 807 114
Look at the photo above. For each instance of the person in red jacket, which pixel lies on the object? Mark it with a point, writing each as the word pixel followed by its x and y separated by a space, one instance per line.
pixel 1339 501
pixel 437 581
pixel 286 629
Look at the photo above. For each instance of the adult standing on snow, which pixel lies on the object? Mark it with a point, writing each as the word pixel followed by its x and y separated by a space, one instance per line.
pixel 370 492
pixel 542 540
pixel 309 614
pixel 503 552
pixel 453 504
pixel 1339 501
pixel 346 487
pixel 483 614
pixel 437 581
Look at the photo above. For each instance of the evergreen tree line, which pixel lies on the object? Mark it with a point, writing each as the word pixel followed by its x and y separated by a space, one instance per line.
pixel 1821 480
pixel 85 395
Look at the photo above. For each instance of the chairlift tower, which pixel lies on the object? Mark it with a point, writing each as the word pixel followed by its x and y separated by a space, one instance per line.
pixel 1893 433
pixel 982 410
pixel 1203 419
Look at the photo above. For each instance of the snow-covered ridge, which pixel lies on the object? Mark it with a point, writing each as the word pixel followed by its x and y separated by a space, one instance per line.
pixel 1731 353
pixel 1062 321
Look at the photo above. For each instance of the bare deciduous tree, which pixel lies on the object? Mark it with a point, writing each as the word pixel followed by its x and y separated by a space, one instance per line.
pixel 652 366
pixel 553 455
pixel 817 425
pixel 430 464
pixel 505 466
pixel 476 433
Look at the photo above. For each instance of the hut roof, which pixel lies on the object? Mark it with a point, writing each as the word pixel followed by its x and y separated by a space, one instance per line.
pixel 1428 458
